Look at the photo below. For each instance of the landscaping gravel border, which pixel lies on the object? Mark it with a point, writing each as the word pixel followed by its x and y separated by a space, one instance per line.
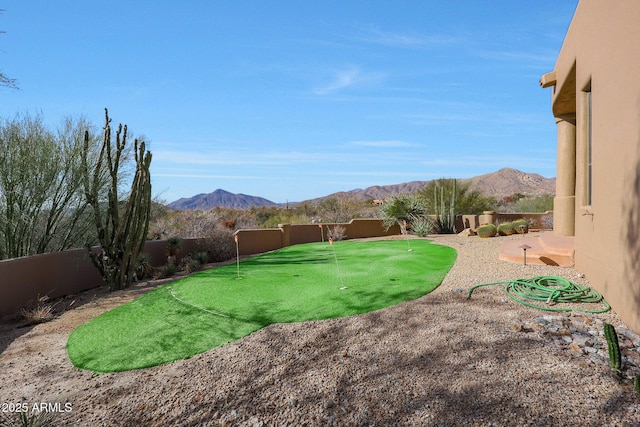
pixel 441 360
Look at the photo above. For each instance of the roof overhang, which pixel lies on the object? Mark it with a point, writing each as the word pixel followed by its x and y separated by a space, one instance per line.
pixel 548 80
pixel 564 99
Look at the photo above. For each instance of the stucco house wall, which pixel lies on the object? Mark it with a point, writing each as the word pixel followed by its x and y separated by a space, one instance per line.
pixel 596 103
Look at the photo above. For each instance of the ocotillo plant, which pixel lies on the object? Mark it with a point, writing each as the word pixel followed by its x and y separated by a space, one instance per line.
pixel 445 215
pixel 121 232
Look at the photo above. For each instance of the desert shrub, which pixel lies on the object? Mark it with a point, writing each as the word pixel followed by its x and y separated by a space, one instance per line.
pixel 231 224
pixel 506 229
pixel 174 244
pixel 342 207
pixel 27 418
pixel 547 221
pixel 337 233
pixel 189 263
pixel 542 203
pixel 184 261
pixel 422 226
pixel 487 230
pixel 188 224
pixel 285 217
pixel 144 267
pixel 192 266
pixel 201 257
pixel 40 312
pixel 218 244
pixel 166 271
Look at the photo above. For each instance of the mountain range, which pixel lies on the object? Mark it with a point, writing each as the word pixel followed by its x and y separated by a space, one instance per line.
pixel 220 198
pixel 502 183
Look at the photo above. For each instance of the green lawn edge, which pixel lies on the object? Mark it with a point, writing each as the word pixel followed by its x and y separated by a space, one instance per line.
pixel 294 284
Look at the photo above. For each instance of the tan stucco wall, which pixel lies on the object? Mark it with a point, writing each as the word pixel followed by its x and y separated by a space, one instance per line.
pixel 24 280
pixel 57 274
pixel 536 220
pixel 603 42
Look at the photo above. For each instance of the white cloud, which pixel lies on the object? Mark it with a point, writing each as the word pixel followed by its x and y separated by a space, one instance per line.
pixel 524 163
pixel 341 80
pixel 418 175
pixel 346 78
pixel 537 60
pixel 478 114
pixel 236 158
pixel 383 144
pixel 406 40
pixel 204 176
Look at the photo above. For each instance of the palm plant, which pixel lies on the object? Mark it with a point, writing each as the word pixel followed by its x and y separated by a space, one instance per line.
pixel 403 209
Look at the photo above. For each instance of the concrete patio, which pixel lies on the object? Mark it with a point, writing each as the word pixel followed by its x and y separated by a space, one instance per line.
pixel 544 248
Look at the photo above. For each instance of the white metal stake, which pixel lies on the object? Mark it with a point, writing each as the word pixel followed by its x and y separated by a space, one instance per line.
pixel 237 254
pixel 342 286
pixel 406 235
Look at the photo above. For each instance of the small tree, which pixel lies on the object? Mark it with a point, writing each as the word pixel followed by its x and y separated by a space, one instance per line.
pixel 42 203
pixel 122 226
pixel 542 203
pixel 341 207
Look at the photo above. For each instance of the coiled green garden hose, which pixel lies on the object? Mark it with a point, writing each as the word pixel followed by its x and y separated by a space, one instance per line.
pixel 552 289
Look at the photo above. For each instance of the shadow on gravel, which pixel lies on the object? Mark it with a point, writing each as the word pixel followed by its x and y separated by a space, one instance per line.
pixel 14 326
pixel 414 364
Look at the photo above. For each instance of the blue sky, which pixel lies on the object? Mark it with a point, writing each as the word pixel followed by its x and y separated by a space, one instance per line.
pixel 292 100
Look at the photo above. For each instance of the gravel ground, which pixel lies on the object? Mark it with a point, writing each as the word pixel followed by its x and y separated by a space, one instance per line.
pixel 441 360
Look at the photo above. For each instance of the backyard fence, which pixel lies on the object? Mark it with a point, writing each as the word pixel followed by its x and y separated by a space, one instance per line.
pixel 24 280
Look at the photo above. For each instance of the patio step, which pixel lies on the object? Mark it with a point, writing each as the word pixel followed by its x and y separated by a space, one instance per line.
pixel 544 249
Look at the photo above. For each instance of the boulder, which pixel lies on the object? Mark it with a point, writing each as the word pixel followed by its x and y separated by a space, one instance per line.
pixel 467 232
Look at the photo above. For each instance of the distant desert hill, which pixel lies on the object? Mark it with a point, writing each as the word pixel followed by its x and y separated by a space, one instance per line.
pixel 220 198
pixel 507 181
pixel 502 183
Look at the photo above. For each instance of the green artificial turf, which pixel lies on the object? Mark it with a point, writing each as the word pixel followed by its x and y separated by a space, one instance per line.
pixel 297 283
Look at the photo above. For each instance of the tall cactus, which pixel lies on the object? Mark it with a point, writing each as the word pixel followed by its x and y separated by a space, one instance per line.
pixel 445 215
pixel 121 231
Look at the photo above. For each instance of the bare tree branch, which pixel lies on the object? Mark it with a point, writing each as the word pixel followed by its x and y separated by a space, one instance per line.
pixel 4 80
pixel 7 82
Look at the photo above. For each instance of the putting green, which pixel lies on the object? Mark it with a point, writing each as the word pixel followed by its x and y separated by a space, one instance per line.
pixel 303 282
